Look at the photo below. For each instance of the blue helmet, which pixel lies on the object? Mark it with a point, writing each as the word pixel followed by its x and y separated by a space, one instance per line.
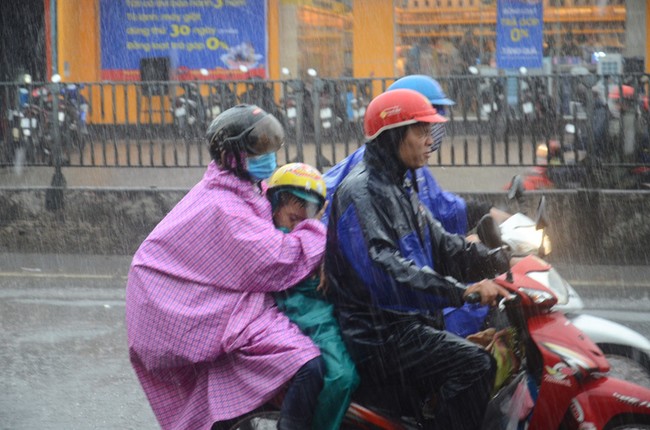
pixel 425 85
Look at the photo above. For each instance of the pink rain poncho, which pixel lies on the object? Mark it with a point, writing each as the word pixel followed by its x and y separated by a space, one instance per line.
pixel 206 339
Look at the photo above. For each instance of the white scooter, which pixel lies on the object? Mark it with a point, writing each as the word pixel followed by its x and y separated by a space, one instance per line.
pixel 627 350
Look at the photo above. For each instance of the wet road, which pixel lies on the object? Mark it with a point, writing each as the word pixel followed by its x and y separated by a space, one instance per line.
pixel 64 354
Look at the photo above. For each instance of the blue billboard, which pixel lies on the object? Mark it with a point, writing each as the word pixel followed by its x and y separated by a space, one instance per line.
pixel 520 25
pixel 222 36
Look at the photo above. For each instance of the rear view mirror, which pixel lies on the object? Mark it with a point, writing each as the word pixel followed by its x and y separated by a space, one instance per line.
pixel 541 219
pixel 489 233
pixel 516 190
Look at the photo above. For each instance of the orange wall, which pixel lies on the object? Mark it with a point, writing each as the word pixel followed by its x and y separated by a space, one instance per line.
pixel 273 22
pixel 78 31
pixel 373 38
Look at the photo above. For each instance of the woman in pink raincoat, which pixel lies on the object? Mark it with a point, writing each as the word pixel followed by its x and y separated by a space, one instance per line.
pixel 206 339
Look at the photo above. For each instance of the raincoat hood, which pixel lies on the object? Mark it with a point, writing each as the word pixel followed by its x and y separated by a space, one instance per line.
pixel 386 160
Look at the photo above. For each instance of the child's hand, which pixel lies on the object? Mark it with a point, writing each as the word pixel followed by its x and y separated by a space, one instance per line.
pixel 322 285
pixel 321 212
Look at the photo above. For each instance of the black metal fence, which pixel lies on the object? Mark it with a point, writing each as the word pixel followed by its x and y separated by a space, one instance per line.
pixel 500 120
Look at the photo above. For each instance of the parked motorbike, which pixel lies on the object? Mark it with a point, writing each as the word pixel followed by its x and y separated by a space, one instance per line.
pixel 290 104
pixel 31 127
pixel 189 111
pixel 326 117
pixel 491 96
pixel 192 111
pixel 73 118
pixel 351 101
pixel 26 121
pixel 538 114
pixel 220 98
pixel 492 105
pixel 321 113
pixel 260 93
pixel 24 141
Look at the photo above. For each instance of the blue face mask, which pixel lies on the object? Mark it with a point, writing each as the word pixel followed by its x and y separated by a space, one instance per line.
pixel 261 166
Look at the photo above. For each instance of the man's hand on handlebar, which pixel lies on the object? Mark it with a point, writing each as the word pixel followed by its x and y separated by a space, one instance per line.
pixel 488 290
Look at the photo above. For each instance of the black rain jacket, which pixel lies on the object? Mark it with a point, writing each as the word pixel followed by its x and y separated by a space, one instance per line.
pixel 388 261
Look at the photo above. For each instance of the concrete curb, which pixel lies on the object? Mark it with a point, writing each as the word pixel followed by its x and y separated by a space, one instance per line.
pixel 116 267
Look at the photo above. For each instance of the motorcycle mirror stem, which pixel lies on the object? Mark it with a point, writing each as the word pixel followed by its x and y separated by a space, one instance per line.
pixel 489 233
pixel 541 219
pixel 541 253
pixel 516 190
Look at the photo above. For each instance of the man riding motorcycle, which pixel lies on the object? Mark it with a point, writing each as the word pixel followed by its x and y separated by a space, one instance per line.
pixel 392 268
pixel 454 213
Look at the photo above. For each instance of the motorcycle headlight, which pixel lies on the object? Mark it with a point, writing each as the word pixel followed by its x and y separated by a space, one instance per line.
pixel 552 280
pixel 541 298
pixel 526 239
pixel 576 361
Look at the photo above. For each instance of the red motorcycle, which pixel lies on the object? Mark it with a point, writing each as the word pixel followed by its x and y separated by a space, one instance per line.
pixel 557 378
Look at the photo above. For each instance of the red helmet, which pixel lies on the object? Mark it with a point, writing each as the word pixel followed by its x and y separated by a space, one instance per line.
pixel 397 108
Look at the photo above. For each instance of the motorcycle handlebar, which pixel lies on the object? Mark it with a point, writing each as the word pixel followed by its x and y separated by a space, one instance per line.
pixel 473 298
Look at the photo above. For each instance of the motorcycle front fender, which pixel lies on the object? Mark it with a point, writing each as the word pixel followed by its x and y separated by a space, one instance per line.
pixel 604 399
pixel 602 331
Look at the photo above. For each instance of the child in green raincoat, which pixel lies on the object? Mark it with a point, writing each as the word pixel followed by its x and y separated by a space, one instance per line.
pixel 297 192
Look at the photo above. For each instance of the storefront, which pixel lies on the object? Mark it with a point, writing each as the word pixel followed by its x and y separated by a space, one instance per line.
pixel 134 40
pixel 444 37
pixel 104 40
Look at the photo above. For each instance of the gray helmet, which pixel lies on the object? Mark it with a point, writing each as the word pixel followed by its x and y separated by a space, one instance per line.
pixel 244 129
